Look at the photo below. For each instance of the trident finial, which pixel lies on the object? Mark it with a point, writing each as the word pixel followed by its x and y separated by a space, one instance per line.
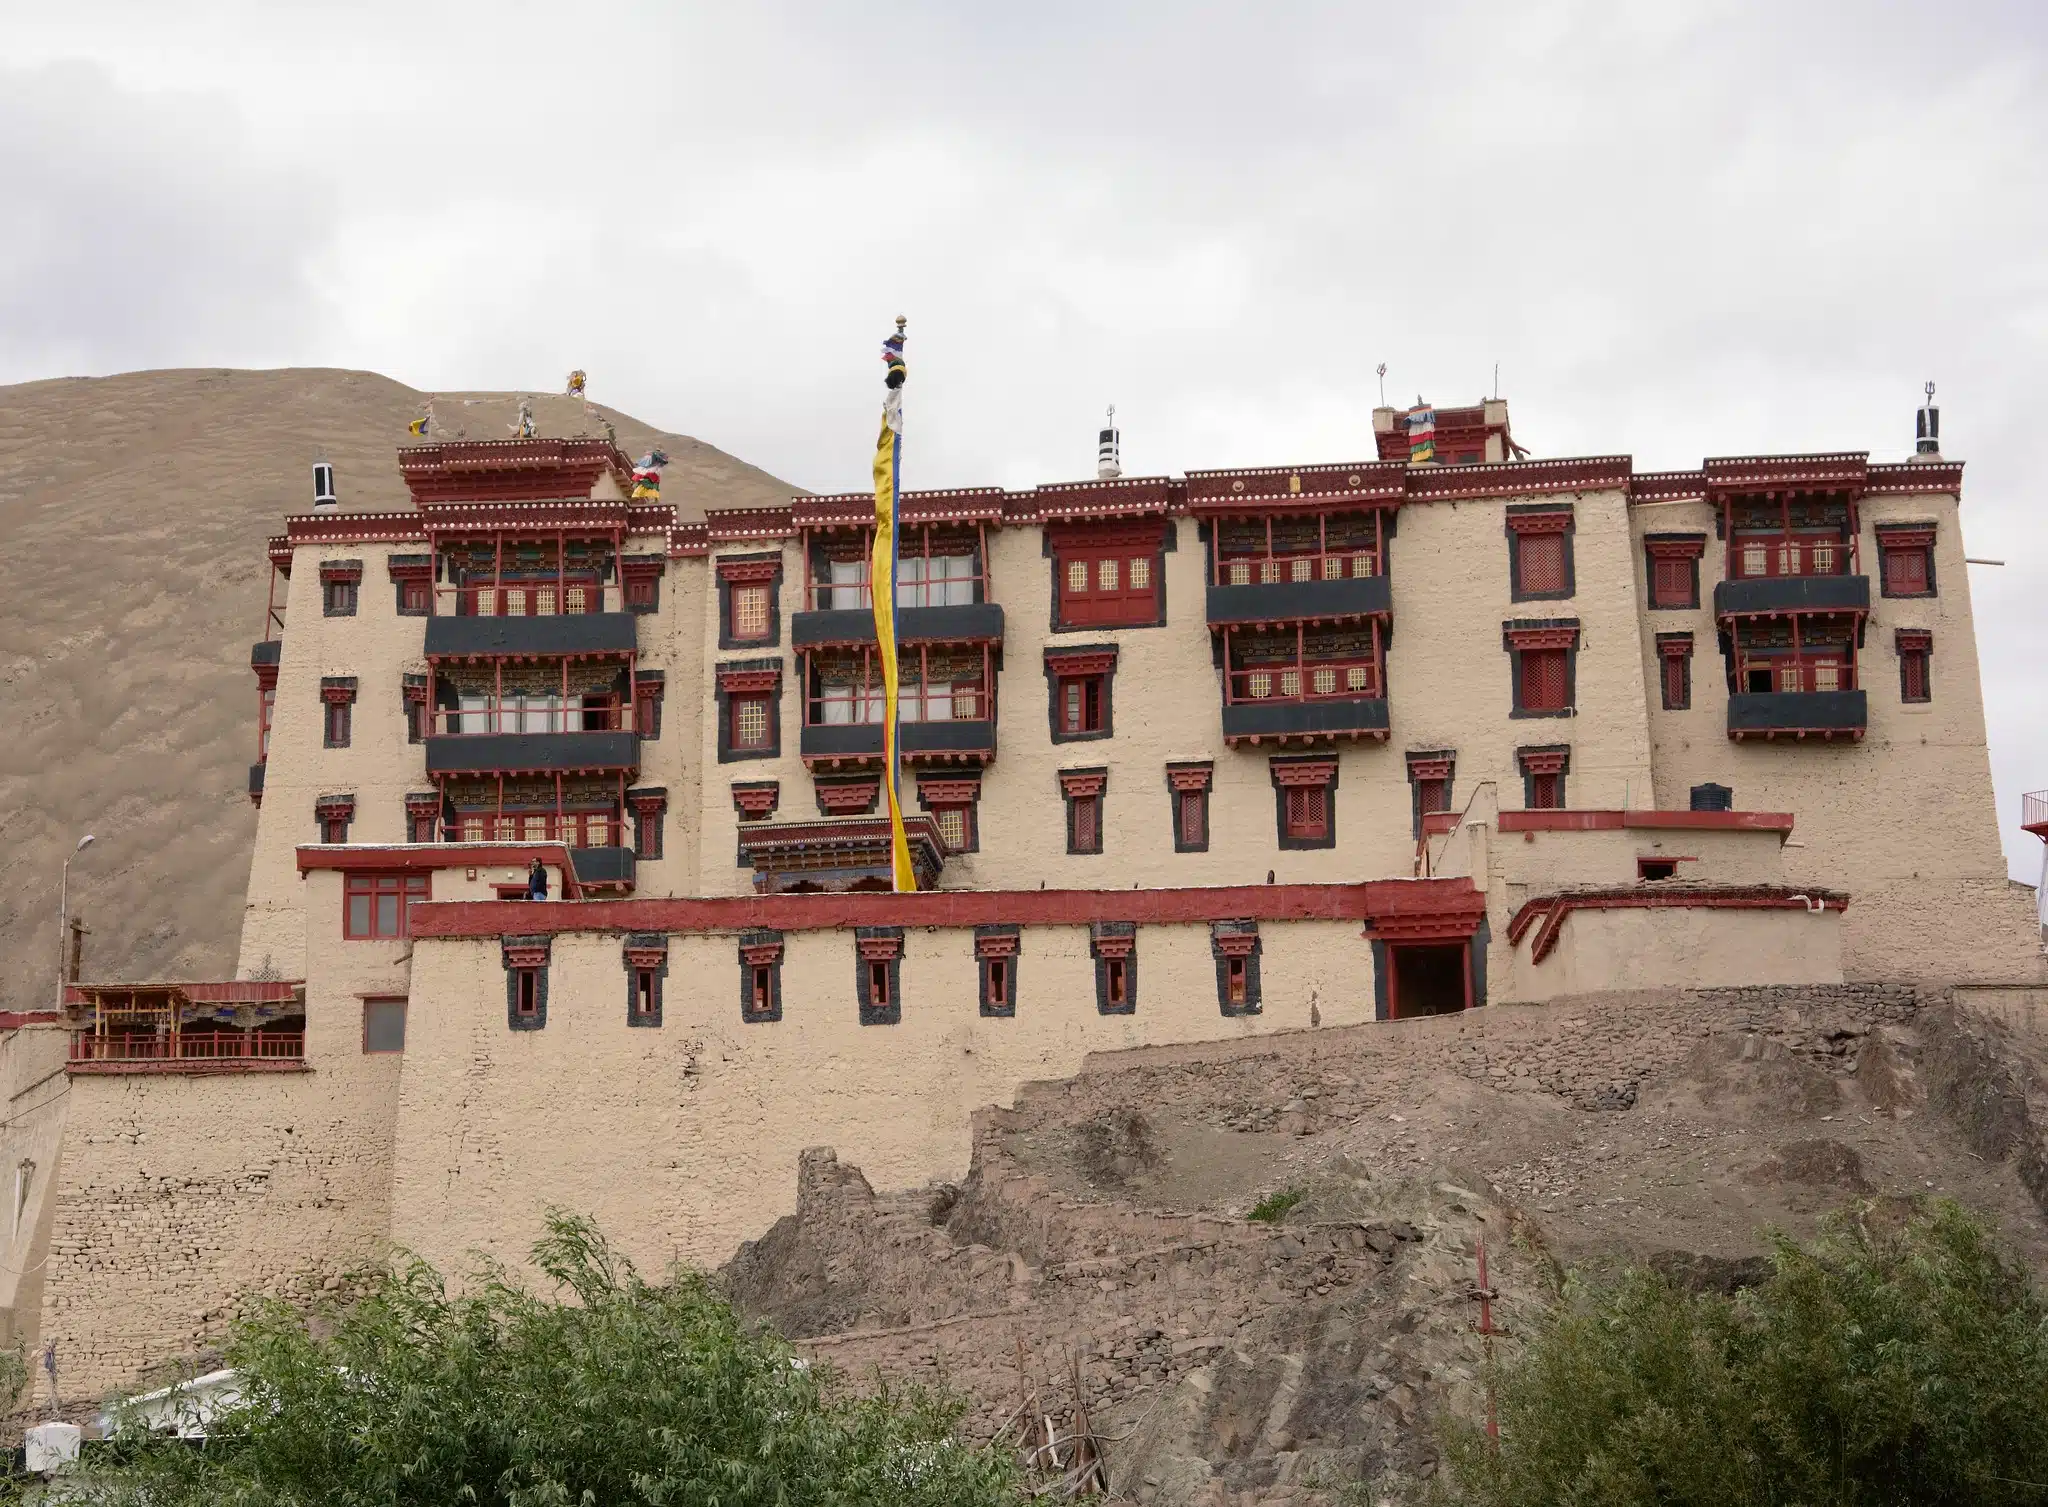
pixel 1930 392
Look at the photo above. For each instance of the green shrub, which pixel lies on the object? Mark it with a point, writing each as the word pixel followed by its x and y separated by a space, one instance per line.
pixel 1889 1361
pixel 1274 1206
pixel 622 1391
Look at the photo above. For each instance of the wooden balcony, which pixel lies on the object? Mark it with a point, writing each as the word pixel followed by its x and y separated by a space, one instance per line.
pixel 952 742
pixel 1764 596
pixel 1304 701
pixel 965 623
pixel 189 1052
pixel 1299 589
pixel 582 635
pixel 1798 716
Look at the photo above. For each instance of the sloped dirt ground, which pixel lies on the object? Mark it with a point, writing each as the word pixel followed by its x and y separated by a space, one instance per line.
pixel 133 514
pixel 1101 1237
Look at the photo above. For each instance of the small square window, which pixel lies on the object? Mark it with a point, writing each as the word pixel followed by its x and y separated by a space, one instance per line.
pixel 1670 583
pixel 1652 870
pixel 751 726
pixel 384 1025
pixel 956 825
pixel 1308 812
pixel 1540 562
pixel 1908 570
pixel 338 598
pixel 750 618
pixel 639 594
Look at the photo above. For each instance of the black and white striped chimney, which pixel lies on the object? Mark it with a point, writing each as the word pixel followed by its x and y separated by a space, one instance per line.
pixel 1927 427
pixel 1109 456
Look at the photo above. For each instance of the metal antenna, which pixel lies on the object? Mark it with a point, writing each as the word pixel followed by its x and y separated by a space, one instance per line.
pixel 1383 384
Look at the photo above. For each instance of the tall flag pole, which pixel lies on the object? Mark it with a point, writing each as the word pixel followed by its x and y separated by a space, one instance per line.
pixel 882 578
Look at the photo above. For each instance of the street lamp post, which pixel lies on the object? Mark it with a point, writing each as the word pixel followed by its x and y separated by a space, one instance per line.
pixel 64 911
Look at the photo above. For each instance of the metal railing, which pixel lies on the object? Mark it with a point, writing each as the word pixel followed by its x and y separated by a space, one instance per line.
pixel 2034 808
pixel 855 706
pixel 1796 675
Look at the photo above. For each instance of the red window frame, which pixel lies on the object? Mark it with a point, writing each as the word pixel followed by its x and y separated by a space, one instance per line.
pixel 1115 982
pixel 526 992
pixel 733 705
pixel 1916 680
pixel 995 983
pixel 1083 703
pixel 739 591
pixel 1676 673
pixel 639 590
pixel 1670 582
pixel 1546 792
pixel 1540 563
pixel 1433 796
pixel 1104 596
pixel 1307 811
pixel 1084 823
pixel 340 723
pixel 761 990
pixel 1192 818
pixel 1906 570
pixel 420 826
pixel 1541 679
pixel 1237 980
pixel 415 596
pixel 370 921
pixel 965 809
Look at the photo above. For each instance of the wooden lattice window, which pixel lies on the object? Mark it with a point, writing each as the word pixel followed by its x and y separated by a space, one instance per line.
pixel 1308 813
pixel 1541 686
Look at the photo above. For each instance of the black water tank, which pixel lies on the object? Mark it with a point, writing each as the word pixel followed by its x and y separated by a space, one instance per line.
pixel 1712 798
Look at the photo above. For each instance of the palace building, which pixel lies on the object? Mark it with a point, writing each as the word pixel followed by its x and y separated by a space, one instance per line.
pixel 1183 758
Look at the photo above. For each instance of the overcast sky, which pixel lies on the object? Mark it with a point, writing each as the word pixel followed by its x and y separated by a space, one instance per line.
pixel 1680 229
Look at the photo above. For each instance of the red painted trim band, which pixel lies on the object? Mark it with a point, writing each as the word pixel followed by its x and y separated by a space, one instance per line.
pixel 1392 901
pixel 1554 908
pixel 1614 821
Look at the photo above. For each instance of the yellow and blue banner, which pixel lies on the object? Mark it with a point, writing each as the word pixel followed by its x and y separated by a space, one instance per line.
pixel 882 579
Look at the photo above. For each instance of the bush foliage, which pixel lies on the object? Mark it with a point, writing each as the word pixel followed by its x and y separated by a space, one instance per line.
pixel 619 1391
pixel 1892 1360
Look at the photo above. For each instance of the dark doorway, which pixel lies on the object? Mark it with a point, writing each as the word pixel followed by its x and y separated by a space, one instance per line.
pixel 1427 980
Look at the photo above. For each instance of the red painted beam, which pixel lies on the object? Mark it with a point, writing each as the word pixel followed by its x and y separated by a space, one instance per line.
pixel 1554 908
pixel 1453 901
pixel 415 858
pixel 1614 821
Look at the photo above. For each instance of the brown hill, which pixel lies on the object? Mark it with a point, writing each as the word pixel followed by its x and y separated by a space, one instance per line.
pixel 133 511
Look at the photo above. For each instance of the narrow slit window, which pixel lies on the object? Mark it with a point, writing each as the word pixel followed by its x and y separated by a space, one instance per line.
pixel 1115 982
pixel 1652 870
pixel 995 982
pixel 878 986
pixel 1239 982
pixel 528 983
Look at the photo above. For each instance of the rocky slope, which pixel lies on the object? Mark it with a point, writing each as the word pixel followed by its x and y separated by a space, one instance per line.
pixel 1101 1242
pixel 133 511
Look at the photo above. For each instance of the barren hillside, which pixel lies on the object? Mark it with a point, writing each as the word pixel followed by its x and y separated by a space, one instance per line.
pixel 133 511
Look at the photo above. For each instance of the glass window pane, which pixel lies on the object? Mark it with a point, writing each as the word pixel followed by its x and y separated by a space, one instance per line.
pixel 384 1025
pixel 359 915
pixel 387 915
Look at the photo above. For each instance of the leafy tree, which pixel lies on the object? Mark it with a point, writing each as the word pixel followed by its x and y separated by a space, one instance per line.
pixel 625 1392
pixel 1892 1360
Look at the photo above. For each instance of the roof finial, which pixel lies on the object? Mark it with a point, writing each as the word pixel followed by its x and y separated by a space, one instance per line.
pixel 1383 384
pixel 1109 456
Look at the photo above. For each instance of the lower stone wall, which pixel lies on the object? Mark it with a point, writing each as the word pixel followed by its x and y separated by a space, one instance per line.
pixel 176 1195
pixel 1968 931
pixel 683 1139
